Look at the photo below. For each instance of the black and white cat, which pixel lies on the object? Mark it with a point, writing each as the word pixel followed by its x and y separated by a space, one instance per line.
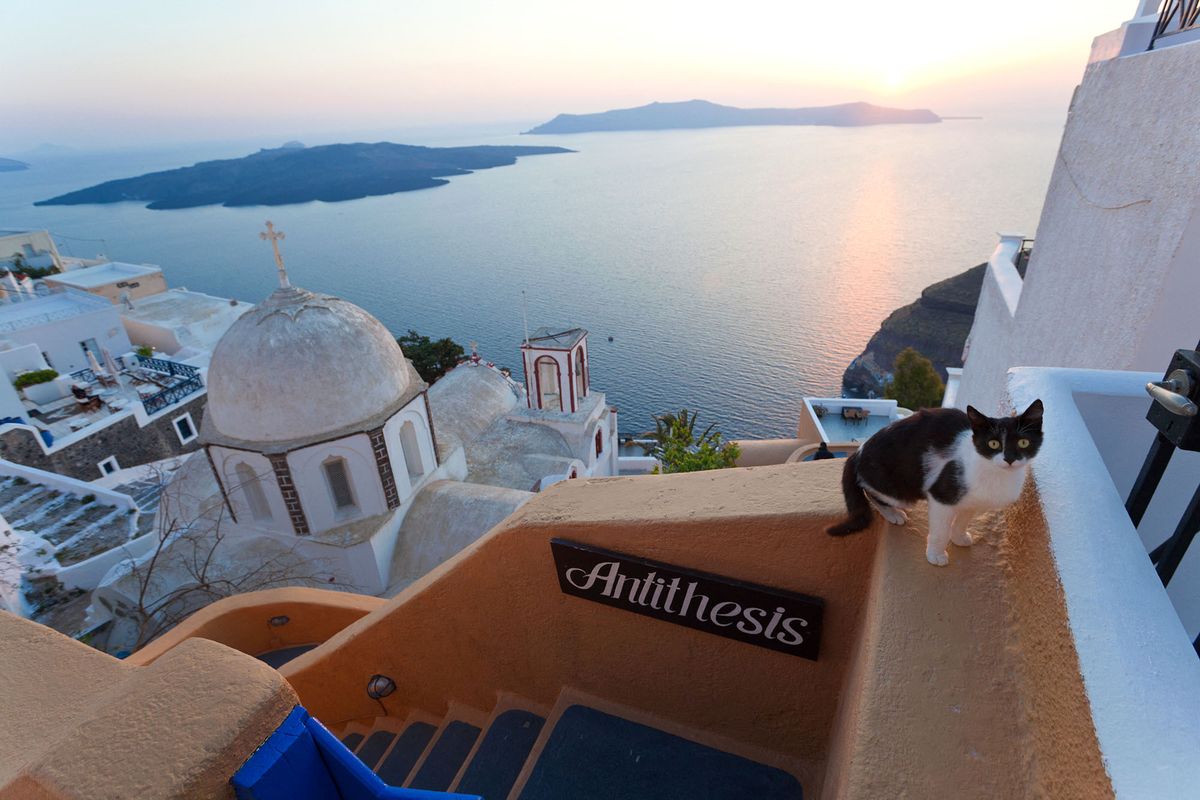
pixel 962 463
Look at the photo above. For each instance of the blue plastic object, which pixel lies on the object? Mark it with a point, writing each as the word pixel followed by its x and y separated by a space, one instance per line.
pixel 302 760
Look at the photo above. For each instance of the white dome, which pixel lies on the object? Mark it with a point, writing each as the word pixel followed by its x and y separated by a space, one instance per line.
pixel 301 366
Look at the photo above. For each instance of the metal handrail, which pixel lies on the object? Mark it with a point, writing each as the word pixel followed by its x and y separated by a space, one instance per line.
pixel 168 397
pixel 1176 16
pixel 167 367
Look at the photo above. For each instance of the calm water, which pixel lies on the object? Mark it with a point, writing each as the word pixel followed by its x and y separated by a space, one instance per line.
pixel 737 270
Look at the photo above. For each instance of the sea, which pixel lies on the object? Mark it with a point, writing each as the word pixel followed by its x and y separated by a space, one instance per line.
pixel 729 271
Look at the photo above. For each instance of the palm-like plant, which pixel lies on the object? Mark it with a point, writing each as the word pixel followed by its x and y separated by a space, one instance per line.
pixel 678 449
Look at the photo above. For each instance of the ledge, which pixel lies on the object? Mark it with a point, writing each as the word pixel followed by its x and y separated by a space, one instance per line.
pixel 1138 666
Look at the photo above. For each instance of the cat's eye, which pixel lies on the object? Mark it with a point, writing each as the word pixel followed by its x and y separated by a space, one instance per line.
pixel 994 444
pixel 1022 443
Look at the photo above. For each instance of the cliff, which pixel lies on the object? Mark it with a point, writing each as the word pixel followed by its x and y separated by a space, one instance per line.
pixel 936 325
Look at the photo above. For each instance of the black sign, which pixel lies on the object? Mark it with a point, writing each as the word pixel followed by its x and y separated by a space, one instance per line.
pixel 771 618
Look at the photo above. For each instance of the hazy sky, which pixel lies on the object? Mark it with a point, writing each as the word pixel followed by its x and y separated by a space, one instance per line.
pixel 123 72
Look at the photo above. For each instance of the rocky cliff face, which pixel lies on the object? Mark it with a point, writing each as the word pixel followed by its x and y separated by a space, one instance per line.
pixel 937 325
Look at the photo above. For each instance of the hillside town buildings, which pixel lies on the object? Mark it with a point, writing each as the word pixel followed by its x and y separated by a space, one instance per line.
pixel 505 631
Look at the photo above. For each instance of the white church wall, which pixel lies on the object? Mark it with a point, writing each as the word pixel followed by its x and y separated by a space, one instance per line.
pixel 415 412
pixel 605 463
pixel 227 461
pixel 308 475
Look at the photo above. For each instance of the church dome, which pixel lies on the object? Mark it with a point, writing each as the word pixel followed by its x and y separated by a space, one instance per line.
pixel 301 367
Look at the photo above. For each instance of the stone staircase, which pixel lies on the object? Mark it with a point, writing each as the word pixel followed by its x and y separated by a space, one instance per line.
pixel 582 748
pixel 76 527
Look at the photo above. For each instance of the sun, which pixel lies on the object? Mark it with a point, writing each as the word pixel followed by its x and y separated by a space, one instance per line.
pixel 894 78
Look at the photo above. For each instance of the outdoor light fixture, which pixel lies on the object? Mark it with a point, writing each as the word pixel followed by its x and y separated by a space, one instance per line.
pixel 380 686
pixel 281 620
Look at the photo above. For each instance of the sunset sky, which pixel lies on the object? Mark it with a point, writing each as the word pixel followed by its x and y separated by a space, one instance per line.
pixel 125 72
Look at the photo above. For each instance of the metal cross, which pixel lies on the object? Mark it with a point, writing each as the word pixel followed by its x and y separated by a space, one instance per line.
pixel 273 236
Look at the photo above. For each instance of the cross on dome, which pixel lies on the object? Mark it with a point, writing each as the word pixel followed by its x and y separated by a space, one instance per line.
pixel 274 236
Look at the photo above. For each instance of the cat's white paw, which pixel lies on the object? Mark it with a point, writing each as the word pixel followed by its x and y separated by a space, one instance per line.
pixel 962 539
pixel 893 515
pixel 937 559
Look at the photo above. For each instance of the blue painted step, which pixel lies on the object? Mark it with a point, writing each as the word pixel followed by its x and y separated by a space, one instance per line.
pixel 277 658
pixel 374 747
pixel 446 758
pixel 405 753
pixel 591 755
pixel 501 755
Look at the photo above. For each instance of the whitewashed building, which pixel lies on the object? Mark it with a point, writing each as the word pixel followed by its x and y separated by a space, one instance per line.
pixel 1109 294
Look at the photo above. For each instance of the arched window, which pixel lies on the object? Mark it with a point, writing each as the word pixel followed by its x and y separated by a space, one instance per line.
pixel 580 376
pixel 411 447
pixel 549 391
pixel 252 490
pixel 599 440
pixel 337 476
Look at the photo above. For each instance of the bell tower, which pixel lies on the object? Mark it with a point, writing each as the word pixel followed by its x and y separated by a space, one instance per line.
pixel 556 369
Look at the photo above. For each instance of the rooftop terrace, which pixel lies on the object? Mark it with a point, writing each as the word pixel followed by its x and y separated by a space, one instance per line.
pixel 103 274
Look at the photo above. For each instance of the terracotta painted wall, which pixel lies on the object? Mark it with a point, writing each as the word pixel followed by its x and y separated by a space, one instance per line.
pixel 243 622
pixel 495 619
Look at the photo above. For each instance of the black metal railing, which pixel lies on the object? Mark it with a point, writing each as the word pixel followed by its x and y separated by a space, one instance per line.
pixel 168 397
pixel 167 367
pixel 1176 16
pixel 177 391
pixel 86 375
pixel 1175 415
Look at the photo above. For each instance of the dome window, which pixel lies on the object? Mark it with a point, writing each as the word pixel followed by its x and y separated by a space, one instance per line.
pixel 338 478
pixel 252 490
pixel 411 448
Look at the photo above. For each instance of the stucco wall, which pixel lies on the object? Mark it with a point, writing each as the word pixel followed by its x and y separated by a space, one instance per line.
pixel 138 286
pixel 60 339
pixel 1112 280
pixel 80 724
pixel 243 622
pixel 495 618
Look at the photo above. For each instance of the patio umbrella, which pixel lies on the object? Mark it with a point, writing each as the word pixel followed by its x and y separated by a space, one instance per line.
pixel 93 363
pixel 109 363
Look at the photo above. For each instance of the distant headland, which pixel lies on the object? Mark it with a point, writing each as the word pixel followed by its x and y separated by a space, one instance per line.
pixel 12 165
pixel 703 114
pixel 298 174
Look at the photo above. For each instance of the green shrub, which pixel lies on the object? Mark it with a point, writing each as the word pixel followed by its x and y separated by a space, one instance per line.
pixel 431 359
pixel 35 377
pixel 915 383
pixel 144 351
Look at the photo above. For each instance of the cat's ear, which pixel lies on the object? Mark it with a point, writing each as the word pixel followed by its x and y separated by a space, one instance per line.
pixel 977 418
pixel 1033 414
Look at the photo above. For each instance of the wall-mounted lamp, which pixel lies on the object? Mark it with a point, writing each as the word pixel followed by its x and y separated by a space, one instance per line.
pixel 277 622
pixel 380 686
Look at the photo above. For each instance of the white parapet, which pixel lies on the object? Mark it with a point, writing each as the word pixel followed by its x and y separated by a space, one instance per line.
pixel 1139 669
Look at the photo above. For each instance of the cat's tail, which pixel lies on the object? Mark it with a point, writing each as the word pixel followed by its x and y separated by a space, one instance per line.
pixel 859 508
